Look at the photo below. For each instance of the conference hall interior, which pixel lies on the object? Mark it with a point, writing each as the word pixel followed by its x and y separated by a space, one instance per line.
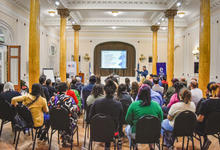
pixel 109 74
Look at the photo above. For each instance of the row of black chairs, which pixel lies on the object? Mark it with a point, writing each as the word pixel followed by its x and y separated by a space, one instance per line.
pixel 59 120
pixel 148 129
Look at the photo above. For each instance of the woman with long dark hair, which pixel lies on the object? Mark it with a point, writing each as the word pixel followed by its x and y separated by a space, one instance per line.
pixel 143 106
pixel 134 90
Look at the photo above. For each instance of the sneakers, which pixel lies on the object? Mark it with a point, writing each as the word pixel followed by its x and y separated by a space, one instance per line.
pixel 206 144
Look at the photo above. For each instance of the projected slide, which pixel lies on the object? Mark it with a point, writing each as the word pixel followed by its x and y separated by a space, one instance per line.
pixel 113 59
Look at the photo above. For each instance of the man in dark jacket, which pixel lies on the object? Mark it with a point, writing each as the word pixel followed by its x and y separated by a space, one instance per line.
pixel 87 90
pixel 42 81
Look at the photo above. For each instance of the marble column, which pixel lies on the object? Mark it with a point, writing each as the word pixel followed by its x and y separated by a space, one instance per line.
pixel 34 42
pixel 76 46
pixel 155 57
pixel 204 45
pixel 64 13
pixel 170 14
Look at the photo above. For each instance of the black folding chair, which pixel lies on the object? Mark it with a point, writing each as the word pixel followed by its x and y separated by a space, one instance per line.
pixel 184 126
pixel 147 131
pixel 6 113
pixel 60 121
pixel 102 130
pixel 26 115
pixel 211 127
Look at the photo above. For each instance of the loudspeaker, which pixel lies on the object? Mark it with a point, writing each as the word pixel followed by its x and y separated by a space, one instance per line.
pixel 196 67
pixel 150 59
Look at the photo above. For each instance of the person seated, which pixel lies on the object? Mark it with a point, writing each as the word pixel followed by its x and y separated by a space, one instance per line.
pixel 144 106
pixel 97 93
pixel 175 98
pixel 42 81
pixel 127 82
pixel 170 91
pixel 134 90
pixel 183 105
pixel 71 93
pixel 108 106
pixel 52 91
pixel 208 106
pixel 196 92
pixel 38 108
pixel 8 92
pixel 1 87
pixel 155 96
pixel 126 100
pixel 61 99
pixel 156 87
pixel 87 90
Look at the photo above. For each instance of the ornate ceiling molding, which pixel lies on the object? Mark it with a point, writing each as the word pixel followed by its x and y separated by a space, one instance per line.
pixel 117 4
pixel 215 4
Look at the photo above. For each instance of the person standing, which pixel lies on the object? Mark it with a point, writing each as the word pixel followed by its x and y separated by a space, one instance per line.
pixel 144 72
pixel 42 81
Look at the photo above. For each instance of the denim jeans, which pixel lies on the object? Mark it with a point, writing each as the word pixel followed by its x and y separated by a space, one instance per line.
pixel 129 134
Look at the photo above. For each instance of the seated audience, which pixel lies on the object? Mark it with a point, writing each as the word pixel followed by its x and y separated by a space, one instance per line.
pixel 71 93
pixel 170 91
pixel 196 92
pixel 98 80
pixel 51 89
pixel 97 93
pixel 61 99
pixel 8 92
pixel 108 106
pixel 155 96
pixel 126 100
pixel 209 91
pixel 134 90
pixel 144 106
pixel 183 81
pixel 156 87
pixel 78 97
pixel 38 108
pixel 208 106
pixel 42 81
pixel 87 90
pixel 184 104
pixel 1 87
pixel 127 82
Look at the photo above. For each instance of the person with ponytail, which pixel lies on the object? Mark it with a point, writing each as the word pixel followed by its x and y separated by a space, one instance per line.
pixel 143 106
pixel 38 106
pixel 212 104
pixel 183 105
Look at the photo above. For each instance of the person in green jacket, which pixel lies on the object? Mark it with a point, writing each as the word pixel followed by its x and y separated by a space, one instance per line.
pixel 143 106
pixel 78 97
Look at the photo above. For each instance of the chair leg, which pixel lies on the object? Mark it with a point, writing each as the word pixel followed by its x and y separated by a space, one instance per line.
pixel 162 142
pixel 192 142
pixel 183 143
pixel 51 139
pixel 35 137
pixel 32 134
pixel 71 147
pixel 77 134
pixel 200 142
pixel 187 144
pixel 1 127
pixel 16 144
pixel 90 146
pixel 15 137
pixel 58 137
pixel 48 140
pixel 85 136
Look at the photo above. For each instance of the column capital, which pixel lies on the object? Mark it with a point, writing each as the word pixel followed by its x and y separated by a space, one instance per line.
pixel 155 28
pixel 170 13
pixel 76 27
pixel 63 12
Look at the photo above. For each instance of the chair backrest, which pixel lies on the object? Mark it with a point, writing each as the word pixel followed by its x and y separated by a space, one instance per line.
pixel 125 104
pixel 184 124
pixel 7 112
pixel 87 113
pixel 102 128
pixel 26 115
pixel 59 118
pixel 212 123
pixel 148 129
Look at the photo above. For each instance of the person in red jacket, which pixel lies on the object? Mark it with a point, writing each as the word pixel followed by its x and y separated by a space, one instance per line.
pixel 72 94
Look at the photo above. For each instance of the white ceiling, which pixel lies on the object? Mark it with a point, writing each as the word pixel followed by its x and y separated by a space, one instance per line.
pixel 91 14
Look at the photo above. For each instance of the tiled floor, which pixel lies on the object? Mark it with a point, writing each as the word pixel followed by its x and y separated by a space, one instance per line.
pixel 25 142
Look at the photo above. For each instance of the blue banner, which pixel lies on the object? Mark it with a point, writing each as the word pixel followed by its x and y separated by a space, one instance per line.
pixel 138 74
pixel 161 69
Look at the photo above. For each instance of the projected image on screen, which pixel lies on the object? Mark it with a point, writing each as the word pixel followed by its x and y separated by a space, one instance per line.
pixel 113 59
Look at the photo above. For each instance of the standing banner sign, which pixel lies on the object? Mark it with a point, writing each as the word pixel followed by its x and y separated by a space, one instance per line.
pixel 161 69
pixel 71 68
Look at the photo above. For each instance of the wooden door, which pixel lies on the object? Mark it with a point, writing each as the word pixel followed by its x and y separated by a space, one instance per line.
pixel 14 69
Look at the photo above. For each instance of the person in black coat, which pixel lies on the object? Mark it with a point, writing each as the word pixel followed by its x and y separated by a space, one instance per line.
pixel 108 106
pixel 8 92
pixel 42 81
pixel 52 91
